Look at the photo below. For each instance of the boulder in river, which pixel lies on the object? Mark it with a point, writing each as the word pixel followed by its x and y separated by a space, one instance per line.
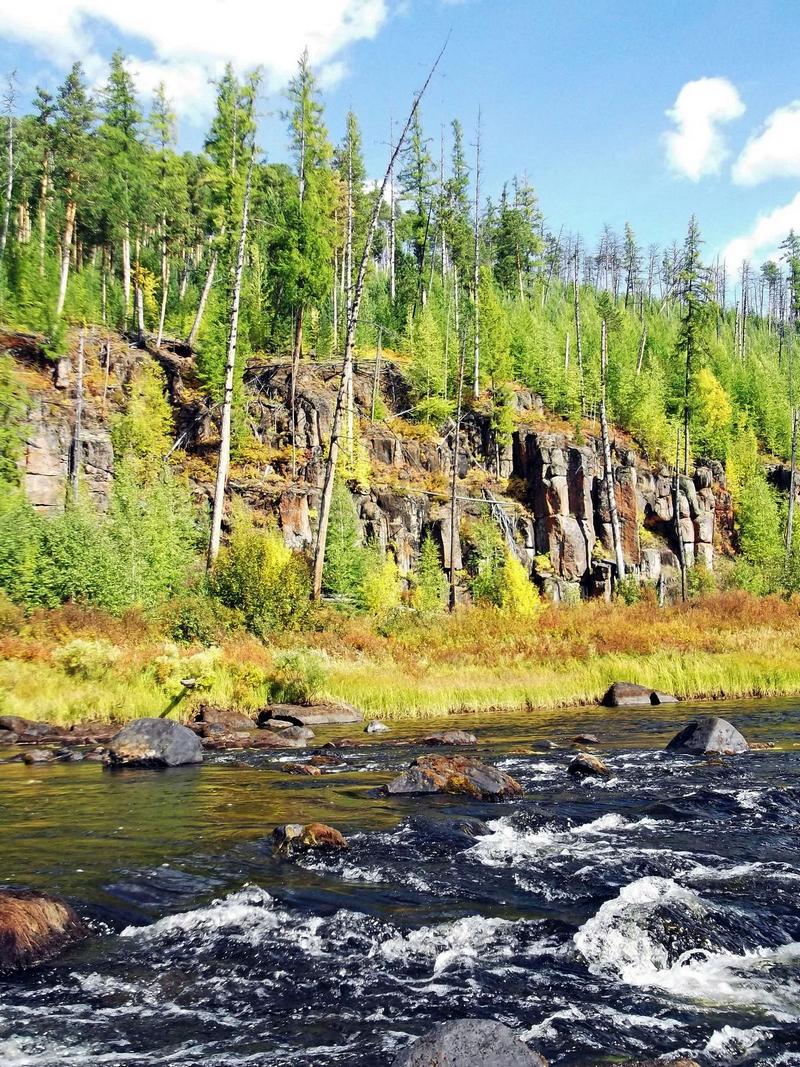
pixel 34 927
pixel 154 743
pixel 587 766
pixel 39 755
pixel 585 739
pixel 469 1043
pixel 230 718
pixel 451 737
pixel 455 774
pixel 303 768
pixel 28 729
pixel 631 695
pixel 298 733
pixel 296 837
pixel 376 727
pixel 313 715
pixel 709 735
pixel 7 737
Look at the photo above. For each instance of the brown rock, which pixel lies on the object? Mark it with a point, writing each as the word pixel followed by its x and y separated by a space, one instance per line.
pixel 303 768
pixel 29 728
pixel 294 837
pixel 451 737
pixel 313 715
pixel 455 774
pixel 34 927
pixel 585 739
pixel 586 766
pixel 38 755
pixel 229 718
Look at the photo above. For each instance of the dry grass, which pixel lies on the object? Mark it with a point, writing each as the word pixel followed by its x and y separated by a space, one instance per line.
pixel 728 645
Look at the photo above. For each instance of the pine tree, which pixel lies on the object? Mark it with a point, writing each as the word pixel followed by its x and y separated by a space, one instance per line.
pixel 430 582
pixel 695 294
pixel 73 149
pixel 343 575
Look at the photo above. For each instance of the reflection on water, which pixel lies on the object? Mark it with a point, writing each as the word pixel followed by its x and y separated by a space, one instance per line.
pixel 654 912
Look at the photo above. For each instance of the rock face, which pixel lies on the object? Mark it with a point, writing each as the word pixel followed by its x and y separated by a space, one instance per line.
pixel 586 766
pixel 469 1043
pixel 709 735
pixel 630 695
pixel 294 837
pixel 34 927
pixel 313 715
pixel 154 743
pixel 455 774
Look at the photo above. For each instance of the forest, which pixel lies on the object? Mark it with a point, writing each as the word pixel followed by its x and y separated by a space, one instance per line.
pixel 473 293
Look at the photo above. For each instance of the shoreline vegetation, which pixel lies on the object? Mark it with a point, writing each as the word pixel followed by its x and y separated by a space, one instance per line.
pixel 74 664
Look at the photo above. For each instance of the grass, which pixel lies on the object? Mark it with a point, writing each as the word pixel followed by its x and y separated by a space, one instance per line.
pixel 728 645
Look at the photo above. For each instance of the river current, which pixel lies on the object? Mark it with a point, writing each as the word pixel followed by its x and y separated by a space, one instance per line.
pixel 654 912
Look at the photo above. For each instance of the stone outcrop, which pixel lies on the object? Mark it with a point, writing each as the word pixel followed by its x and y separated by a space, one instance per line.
pixel 455 774
pixel 587 766
pixel 707 736
pixel 154 743
pixel 314 836
pixel 630 695
pixel 313 715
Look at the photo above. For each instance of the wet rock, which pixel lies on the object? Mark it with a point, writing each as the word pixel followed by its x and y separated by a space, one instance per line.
pixel 89 733
pixel 313 715
pixel 229 718
pixel 455 774
pixel 587 766
pixel 28 729
pixel 154 743
pixel 544 746
pixel 295 837
pixel 318 760
pixel 660 1063
pixel 631 695
pixel 469 1043
pixel 298 733
pixel 7 737
pixel 38 755
pixel 34 927
pixel 760 746
pixel 451 737
pixel 308 769
pixel 376 727
pixel 709 735
pixel 273 724
pixel 585 739
pixel 273 739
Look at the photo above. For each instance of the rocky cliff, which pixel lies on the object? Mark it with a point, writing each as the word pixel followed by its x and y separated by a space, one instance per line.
pixel 544 488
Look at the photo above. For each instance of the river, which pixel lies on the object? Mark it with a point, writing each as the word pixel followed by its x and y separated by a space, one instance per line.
pixel 654 912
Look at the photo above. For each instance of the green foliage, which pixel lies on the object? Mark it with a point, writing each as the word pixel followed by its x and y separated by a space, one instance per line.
pixel 298 677
pixel 198 618
pixel 429 580
pixel 345 558
pixel 628 590
pixel 487 562
pixel 382 586
pixel 700 581
pixel 145 428
pixel 12 411
pixel 86 657
pixel 258 576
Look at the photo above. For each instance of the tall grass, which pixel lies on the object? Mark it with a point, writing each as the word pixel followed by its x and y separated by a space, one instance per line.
pixel 729 645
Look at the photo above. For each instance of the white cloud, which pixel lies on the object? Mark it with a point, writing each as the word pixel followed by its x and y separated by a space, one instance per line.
pixel 188 44
pixel 763 240
pixel 696 147
pixel 774 152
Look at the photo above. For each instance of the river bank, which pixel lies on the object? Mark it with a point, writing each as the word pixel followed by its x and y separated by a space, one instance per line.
pixel 72 665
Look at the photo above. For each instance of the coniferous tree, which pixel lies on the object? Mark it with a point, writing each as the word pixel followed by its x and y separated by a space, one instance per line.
pixel 73 150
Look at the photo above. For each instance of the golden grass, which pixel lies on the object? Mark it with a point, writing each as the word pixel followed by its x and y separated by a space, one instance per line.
pixel 728 645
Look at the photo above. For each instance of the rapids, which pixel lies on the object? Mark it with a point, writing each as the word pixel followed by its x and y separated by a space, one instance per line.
pixel 654 912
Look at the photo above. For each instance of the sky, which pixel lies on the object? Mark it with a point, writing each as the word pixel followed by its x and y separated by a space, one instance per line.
pixel 616 110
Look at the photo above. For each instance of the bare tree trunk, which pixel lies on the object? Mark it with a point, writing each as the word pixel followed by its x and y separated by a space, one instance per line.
pixel 297 350
pixel 335 302
pixel 201 307
pixel 566 354
pixel 139 295
pixel 66 252
pixel 164 283
pixel 676 508
pixel 76 438
pixel 230 365
pixel 640 358
pixel 392 232
pixel 352 322
pixel 126 273
pixel 44 192
pixel 376 377
pixel 106 369
pixel 608 471
pixel 792 481
pixel 454 476
pixel 9 184
pixel 476 382
pixel 578 344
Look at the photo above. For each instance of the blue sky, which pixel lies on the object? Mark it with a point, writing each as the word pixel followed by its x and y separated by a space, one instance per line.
pixel 574 93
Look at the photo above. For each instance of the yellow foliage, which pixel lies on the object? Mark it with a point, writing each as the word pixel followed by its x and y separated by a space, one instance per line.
pixel 383 587
pixel 519 596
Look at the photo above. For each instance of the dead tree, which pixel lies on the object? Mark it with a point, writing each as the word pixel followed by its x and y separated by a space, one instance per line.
pixel 476 384
pixel 608 471
pixel 230 364
pixel 347 359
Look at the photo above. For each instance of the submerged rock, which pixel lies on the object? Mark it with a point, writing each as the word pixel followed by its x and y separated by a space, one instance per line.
pixel 313 715
pixel 586 766
pixel 303 768
pixel 451 737
pixel 376 727
pixel 295 837
pixel 544 746
pixel 34 927
pixel 28 730
pixel 709 735
pixel 154 743
pixel 630 695
pixel 39 755
pixel 585 739
pixel 298 733
pixel 7 737
pixel 469 1043
pixel 455 774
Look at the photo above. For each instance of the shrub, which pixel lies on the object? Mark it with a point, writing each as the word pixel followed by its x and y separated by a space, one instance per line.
pixel 199 618
pixel 345 558
pixel 700 580
pixel 487 561
pixel 430 581
pixel 297 678
pixel 259 577
pixel 174 666
pixel 86 658
pixel 628 590
pixel 518 596
pixel 382 587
